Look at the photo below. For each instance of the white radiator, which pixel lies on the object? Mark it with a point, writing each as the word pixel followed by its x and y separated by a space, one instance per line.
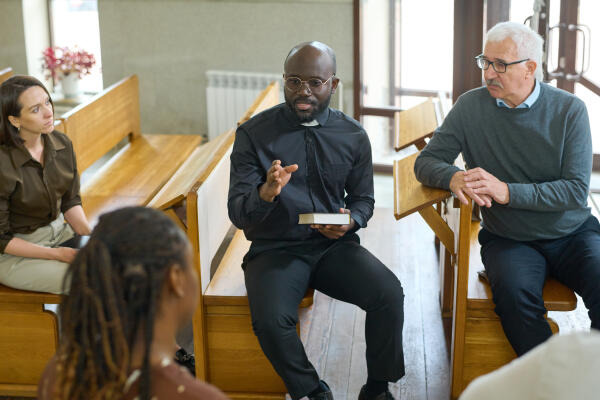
pixel 230 93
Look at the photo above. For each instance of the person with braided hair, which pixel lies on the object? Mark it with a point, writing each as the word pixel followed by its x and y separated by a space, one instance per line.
pixel 133 288
pixel 39 190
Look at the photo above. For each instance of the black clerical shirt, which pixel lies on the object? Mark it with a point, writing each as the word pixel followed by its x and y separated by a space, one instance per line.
pixel 335 171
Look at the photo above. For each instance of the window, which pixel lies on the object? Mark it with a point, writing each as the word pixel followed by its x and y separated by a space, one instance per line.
pixel 75 23
pixel 406 50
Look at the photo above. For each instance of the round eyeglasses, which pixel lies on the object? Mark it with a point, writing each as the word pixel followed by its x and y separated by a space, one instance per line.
pixel 499 66
pixel 314 84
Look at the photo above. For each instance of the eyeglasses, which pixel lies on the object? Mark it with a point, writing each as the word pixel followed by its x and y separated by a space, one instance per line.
pixel 499 66
pixel 314 84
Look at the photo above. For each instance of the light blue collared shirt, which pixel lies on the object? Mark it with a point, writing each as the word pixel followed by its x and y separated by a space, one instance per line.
pixel 528 101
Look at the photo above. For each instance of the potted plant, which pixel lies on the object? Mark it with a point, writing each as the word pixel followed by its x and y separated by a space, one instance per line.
pixel 67 65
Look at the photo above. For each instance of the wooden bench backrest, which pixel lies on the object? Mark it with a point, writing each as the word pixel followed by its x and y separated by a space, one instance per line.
pixel 208 218
pixel 414 125
pixel 212 216
pixel 266 99
pixel 59 125
pixel 190 172
pixel 99 125
pixel 5 74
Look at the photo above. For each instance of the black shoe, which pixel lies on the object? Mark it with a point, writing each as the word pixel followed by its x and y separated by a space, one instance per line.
pixel 326 395
pixel 381 396
pixel 186 359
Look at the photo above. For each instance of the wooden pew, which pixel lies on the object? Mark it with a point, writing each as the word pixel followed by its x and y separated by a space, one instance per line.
pixel 227 351
pixel 28 334
pixel 5 74
pixel 414 125
pixel 138 171
pixel 478 343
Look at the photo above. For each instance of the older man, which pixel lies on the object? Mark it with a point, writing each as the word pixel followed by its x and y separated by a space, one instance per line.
pixel 528 149
pixel 298 157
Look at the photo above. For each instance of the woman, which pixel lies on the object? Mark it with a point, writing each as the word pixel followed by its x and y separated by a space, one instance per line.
pixel 39 190
pixel 132 289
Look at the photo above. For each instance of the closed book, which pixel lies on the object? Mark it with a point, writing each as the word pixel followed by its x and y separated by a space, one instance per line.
pixel 324 219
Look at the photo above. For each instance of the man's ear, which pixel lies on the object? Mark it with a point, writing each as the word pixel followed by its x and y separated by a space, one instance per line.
pixel 175 280
pixel 14 121
pixel 531 67
pixel 334 84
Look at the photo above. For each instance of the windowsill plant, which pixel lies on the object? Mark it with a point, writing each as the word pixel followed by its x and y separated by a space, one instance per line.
pixel 67 65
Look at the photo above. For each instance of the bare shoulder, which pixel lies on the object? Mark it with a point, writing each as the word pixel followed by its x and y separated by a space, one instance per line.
pixel 177 381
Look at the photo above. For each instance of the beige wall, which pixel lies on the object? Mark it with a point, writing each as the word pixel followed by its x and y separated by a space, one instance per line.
pixel 170 44
pixel 12 36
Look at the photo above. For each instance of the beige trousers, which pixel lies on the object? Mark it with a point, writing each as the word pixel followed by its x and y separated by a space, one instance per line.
pixel 37 274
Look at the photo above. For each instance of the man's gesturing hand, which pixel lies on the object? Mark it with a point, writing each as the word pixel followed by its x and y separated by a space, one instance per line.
pixel 485 184
pixel 277 178
pixel 335 231
pixel 459 187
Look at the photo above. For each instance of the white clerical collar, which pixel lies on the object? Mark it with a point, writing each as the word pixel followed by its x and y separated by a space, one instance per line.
pixel 314 122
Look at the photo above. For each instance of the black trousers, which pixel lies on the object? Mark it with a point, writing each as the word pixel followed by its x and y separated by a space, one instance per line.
pixel 517 272
pixel 276 281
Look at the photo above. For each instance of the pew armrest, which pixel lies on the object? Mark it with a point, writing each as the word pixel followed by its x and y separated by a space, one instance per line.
pixel 409 194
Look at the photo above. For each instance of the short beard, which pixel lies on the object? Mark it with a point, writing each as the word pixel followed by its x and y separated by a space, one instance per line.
pixel 316 111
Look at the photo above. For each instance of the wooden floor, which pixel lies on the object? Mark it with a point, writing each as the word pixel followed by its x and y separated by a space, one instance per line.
pixel 336 344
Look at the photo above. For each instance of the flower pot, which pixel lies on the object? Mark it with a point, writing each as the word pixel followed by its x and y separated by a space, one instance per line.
pixel 70 85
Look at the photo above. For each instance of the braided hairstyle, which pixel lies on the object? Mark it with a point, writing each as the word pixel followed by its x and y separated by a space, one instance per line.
pixel 115 281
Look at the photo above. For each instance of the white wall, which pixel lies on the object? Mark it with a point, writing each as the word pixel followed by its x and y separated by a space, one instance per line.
pixel 170 44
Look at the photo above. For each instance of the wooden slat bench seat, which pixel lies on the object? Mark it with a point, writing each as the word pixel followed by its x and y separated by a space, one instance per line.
pixel 122 178
pixel 5 74
pixel 135 174
pixel 478 343
pixel 227 351
pixel 227 286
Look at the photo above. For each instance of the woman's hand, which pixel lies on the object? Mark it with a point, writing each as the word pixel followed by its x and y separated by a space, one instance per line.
pixel 22 248
pixel 64 254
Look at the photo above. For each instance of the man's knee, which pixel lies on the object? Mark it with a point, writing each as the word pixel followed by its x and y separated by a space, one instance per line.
pixel 273 322
pixel 388 293
pixel 518 301
pixel 394 293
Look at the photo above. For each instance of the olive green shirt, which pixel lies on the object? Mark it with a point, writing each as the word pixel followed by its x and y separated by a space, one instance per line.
pixel 32 195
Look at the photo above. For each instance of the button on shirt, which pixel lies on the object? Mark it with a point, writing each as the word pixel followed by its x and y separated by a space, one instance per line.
pixel 334 171
pixel 32 195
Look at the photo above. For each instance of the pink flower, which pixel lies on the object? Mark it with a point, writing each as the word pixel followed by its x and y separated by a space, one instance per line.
pixel 66 61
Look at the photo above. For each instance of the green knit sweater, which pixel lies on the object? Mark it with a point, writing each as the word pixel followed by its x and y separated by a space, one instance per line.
pixel 543 153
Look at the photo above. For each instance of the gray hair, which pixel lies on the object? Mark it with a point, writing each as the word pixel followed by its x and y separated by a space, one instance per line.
pixel 529 43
